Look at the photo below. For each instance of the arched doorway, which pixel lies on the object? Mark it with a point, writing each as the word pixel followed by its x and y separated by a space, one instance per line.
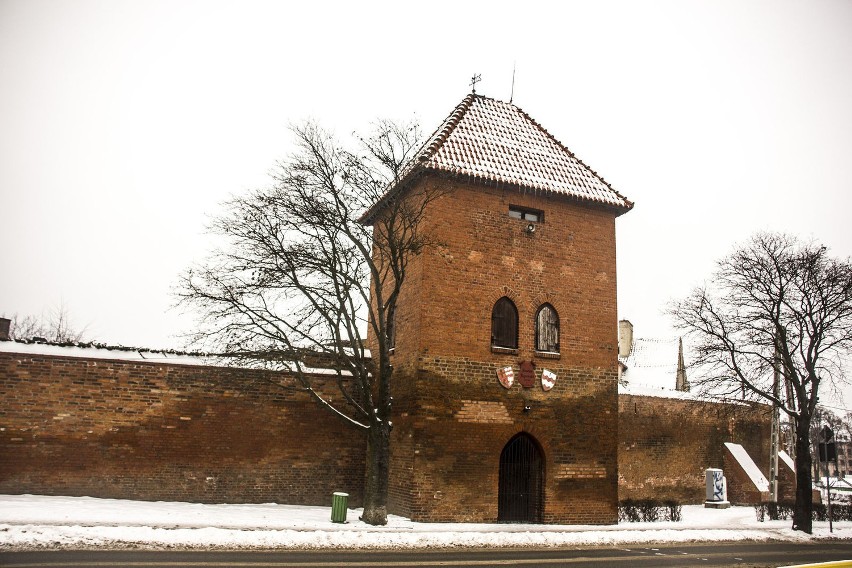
pixel 521 487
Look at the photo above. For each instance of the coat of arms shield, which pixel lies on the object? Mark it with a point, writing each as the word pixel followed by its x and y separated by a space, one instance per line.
pixel 548 379
pixel 526 376
pixel 506 376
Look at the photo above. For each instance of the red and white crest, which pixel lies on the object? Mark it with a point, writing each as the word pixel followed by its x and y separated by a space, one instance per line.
pixel 506 376
pixel 548 379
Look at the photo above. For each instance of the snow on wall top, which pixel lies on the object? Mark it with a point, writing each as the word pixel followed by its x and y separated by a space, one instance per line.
pixel 748 465
pixel 141 355
pixel 494 141
pixel 115 353
pixel 662 392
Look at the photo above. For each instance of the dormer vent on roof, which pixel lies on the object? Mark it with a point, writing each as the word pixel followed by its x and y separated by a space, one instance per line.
pixel 492 141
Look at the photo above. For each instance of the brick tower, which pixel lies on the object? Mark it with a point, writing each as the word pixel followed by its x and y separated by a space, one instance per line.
pixel 505 384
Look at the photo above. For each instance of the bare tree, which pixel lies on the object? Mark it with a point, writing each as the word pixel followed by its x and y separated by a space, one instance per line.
pixel 774 303
pixel 292 284
pixel 56 328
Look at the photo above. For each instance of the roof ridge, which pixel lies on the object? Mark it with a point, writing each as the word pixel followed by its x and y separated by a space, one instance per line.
pixel 440 135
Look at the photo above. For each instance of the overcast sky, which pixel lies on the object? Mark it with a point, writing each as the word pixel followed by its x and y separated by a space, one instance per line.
pixel 124 125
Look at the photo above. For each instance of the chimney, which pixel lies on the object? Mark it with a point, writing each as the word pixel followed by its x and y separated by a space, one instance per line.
pixel 625 338
pixel 5 323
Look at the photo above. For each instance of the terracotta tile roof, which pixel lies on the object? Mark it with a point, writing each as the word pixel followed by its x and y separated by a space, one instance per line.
pixel 493 141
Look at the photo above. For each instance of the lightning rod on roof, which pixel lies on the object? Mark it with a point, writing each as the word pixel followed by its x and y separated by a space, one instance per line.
pixel 473 81
pixel 512 93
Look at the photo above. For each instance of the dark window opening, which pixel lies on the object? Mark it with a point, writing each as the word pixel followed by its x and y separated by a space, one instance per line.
pixel 547 329
pixel 525 214
pixel 504 324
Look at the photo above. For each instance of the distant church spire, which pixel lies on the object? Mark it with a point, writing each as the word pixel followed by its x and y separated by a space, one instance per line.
pixel 682 384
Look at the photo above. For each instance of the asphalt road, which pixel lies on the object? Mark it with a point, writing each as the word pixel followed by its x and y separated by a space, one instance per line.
pixel 750 555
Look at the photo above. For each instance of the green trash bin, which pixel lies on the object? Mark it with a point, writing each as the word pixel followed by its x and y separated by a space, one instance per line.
pixel 338 507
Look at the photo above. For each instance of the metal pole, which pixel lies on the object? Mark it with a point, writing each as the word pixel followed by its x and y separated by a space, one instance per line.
pixel 775 436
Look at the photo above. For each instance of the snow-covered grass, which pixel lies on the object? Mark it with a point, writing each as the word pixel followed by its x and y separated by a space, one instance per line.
pixel 31 521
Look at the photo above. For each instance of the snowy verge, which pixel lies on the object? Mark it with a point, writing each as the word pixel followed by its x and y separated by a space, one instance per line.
pixel 39 522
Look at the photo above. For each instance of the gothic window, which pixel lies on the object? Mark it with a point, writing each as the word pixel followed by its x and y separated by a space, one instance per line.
pixel 547 329
pixel 504 324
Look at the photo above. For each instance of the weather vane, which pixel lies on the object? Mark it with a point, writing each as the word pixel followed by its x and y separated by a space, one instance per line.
pixel 473 81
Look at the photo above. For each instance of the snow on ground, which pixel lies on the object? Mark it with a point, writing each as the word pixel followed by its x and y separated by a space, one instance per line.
pixel 32 521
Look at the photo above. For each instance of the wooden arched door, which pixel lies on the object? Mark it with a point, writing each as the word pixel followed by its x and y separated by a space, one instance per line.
pixel 521 486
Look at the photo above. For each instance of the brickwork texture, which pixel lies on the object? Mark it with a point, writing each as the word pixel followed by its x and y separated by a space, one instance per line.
pixel 454 418
pixel 666 444
pixel 71 426
pixel 741 489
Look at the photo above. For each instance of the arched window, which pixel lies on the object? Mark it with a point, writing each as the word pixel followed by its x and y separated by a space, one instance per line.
pixel 504 324
pixel 547 329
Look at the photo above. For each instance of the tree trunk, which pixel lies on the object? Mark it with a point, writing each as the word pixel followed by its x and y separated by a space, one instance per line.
pixel 802 520
pixel 378 468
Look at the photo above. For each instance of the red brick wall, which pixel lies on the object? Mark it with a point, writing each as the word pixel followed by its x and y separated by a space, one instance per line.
pixel 452 416
pixel 666 444
pixel 456 433
pixel 569 261
pixel 71 426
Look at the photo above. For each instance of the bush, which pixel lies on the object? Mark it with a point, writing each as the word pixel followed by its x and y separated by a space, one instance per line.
pixel 783 511
pixel 841 512
pixel 628 511
pixel 648 511
pixel 774 511
pixel 673 511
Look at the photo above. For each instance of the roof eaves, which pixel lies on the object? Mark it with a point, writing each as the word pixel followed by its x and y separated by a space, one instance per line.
pixel 535 189
pixel 408 178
